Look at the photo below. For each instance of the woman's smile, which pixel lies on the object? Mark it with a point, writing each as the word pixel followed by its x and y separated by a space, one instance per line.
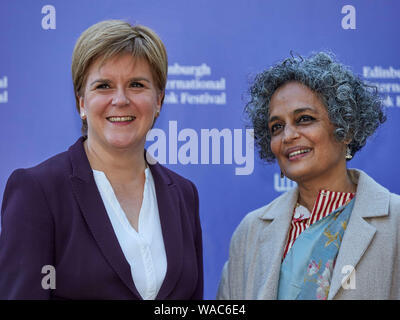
pixel 121 120
pixel 121 102
pixel 302 136
pixel 297 153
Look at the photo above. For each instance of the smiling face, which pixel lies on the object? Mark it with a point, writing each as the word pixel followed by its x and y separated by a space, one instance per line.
pixel 120 102
pixel 302 136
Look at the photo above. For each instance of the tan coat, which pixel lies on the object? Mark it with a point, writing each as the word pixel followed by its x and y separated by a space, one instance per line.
pixel 371 245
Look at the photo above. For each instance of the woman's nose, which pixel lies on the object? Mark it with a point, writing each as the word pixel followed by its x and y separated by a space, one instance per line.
pixel 120 99
pixel 290 133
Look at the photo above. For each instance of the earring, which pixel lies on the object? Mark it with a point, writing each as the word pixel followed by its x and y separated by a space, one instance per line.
pixel 348 153
pixel 282 175
pixel 83 116
pixel 157 114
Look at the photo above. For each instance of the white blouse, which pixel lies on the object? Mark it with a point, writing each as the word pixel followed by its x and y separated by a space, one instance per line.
pixel 143 249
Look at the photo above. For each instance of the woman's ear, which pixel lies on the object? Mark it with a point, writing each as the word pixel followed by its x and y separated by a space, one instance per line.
pixel 82 108
pixel 349 137
pixel 160 99
pixel 347 141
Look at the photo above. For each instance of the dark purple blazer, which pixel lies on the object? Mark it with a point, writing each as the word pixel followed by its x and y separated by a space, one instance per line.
pixel 53 214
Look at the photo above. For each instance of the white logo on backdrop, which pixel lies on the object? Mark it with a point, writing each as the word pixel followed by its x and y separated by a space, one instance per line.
pixel 387 81
pixel 195 147
pixel 349 20
pixel 49 20
pixel 3 91
pixel 283 184
pixel 189 88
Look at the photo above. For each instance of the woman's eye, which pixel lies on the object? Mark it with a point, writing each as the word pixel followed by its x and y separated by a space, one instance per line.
pixel 305 118
pixel 103 86
pixel 275 127
pixel 136 84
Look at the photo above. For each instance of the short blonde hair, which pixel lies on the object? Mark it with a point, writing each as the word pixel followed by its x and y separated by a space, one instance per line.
pixel 109 38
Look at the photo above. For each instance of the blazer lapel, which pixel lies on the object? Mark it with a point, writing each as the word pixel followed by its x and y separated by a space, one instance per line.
pixel 372 200
pixel 273 241
pixel 94 212
pixel 170 218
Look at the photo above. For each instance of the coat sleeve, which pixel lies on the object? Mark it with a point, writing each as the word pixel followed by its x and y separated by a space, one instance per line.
pixel 232 282
pixel 231 268
pixel 223 288
pixel 26 240
pixel 199 291
pixel 224 291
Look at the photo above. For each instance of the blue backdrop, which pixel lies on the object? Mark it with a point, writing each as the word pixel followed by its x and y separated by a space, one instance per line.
pixel 214 48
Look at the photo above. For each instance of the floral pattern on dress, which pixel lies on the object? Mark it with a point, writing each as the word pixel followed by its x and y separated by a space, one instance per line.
pixel 324 281
pixel 318 276
pixel 332 238
pixel 313 268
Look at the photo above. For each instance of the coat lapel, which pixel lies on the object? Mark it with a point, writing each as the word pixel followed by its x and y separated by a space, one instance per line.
pixel 170 218
pixel 273 241
pixel 93 210
pixel 372 200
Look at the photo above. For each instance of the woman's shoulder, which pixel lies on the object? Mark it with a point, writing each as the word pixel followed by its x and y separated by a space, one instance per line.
pixel 371 189
pixel 32 187
pixel 256 218
pixel 395 203
pixel 54 168
pixel 56 164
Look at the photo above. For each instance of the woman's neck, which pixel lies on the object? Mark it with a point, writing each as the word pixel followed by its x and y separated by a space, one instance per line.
pixel 309 190
pixel 120 166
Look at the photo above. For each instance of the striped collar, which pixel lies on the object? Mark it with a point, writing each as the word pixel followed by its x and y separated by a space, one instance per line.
pixel 327 201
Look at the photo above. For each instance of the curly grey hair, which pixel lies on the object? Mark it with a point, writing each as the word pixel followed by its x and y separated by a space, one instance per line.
pixel 354 108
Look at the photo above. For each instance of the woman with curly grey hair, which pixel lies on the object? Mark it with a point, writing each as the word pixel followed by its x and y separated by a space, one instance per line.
pixel 335 235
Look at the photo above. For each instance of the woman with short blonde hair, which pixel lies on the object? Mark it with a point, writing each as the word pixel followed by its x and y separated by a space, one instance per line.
pixel 112 225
